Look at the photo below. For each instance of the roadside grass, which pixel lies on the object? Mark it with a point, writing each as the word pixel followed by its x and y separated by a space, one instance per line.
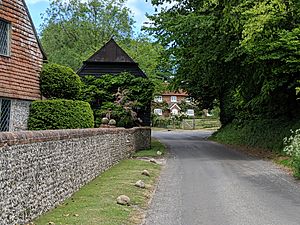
pixel 95 203
pixel 152 152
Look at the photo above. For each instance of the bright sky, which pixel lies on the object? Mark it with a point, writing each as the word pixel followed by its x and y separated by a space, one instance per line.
pixel 138 7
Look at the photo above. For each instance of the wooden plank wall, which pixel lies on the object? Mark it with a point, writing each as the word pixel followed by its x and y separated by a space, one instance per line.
pixel 19 73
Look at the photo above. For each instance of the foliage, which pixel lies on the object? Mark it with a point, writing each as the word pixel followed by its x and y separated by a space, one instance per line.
pixel 118 113
pixel 95 203
pixel 149 56
pixel 60 114
pixel 292 149
pixel 59 82
pixel 73 30
pixel 261 133
pixel 103 94
pixel 242 53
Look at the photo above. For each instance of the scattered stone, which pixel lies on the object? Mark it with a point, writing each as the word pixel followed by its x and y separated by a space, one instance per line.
pixel 123 200
pixel 51 223
pixel 140 184
pixel 76 215
pixel 153 161
pixel 146 173
pixel 159 153
pixel 66 215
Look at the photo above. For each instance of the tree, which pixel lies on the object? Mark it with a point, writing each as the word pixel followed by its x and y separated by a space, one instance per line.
pixel 73 30
pixel 242 53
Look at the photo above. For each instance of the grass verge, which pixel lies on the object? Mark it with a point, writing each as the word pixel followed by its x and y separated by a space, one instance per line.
pixel 152 152
pixel 95 203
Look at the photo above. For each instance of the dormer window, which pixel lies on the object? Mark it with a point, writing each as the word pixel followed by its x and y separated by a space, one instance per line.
pixel 4 38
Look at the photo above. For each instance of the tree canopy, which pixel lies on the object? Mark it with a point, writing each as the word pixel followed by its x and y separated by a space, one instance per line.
pixel 244 53
pixel 73 30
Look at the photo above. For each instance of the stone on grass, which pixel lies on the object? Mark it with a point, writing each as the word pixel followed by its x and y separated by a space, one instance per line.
pixel 153 161
pixel 123 200
pixel 140 184
pixel 159 153
pixel 146 173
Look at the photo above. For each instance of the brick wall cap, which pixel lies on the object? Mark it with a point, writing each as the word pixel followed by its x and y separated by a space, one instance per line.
pixel 27 137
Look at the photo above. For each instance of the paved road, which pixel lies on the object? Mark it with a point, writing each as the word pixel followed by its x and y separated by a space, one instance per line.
pixel 205 183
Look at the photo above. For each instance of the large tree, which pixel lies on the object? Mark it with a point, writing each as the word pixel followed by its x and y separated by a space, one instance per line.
pixel 73 30
pixel 245 53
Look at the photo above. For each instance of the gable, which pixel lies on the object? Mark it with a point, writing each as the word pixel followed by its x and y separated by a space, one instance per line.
pixel 111 52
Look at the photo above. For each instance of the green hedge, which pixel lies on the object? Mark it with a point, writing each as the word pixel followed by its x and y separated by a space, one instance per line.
pixel 60 114
pixel 60 82
pixel 261 133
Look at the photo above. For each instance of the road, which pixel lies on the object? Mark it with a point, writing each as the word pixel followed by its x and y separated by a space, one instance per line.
pixel 205 183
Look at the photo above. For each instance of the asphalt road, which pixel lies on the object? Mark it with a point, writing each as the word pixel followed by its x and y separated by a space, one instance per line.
pixel 205 183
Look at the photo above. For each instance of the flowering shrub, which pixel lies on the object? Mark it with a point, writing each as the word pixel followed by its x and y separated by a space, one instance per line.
pixel 292 149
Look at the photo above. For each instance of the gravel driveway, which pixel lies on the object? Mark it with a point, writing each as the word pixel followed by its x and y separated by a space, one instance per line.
pixel 205 183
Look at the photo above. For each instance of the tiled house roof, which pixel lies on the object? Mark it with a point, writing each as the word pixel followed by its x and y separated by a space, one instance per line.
pixel 19 71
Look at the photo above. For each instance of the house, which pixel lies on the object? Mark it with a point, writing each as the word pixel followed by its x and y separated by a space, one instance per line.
pixel 170 102
pixel 112 59
pixel 21 59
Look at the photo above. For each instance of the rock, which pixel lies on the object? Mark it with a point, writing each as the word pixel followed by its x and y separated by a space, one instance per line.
pixel 112 122
pixel 146 173
pixel 153 161
pixel 159 153
pixel 105 120
pixel 140 184
pixel 123 200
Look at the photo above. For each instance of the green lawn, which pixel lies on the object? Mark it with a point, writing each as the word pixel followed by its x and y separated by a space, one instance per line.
pixel 152 152
pixel 95 203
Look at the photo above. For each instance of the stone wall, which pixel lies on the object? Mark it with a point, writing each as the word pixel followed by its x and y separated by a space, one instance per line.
pixel 19 114
pixel 39 169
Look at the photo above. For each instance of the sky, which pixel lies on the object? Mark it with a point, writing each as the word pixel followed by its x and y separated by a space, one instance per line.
pixel 138 7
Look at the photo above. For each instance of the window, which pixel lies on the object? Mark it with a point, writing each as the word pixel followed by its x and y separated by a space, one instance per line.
pixel 5 106
pixel 158 112
pixel 190 112
pixel 158 99
pixel 188 99
pixel 4 38
pixel 173 98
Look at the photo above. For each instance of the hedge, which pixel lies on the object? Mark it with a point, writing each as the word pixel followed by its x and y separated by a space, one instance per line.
pixel 60 114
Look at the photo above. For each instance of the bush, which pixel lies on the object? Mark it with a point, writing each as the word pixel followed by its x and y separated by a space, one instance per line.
pixel 292 149
pixel 60 114
pixel 60 82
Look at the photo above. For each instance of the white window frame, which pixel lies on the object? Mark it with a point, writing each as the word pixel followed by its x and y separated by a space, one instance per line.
pixel 173 98
pixel 158 98
pixel 190 114
pixel 158 112
pixel 8 41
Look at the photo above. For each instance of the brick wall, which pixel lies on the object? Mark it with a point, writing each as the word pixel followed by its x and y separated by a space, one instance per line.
pixel 39 169
pixel 19 72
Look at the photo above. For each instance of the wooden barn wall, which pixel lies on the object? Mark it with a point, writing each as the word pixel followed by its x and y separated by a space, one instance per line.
pixel 19 73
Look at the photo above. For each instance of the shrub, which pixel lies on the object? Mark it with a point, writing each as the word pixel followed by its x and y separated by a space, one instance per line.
pixel 60 114
pixel 118 113
pixel 292 149
pixel 60 82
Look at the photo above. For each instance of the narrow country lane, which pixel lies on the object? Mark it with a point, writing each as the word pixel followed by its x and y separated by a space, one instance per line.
pixel 205 183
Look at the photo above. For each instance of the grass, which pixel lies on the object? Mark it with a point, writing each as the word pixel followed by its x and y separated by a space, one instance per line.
pixel 152 152
pixel 95 203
